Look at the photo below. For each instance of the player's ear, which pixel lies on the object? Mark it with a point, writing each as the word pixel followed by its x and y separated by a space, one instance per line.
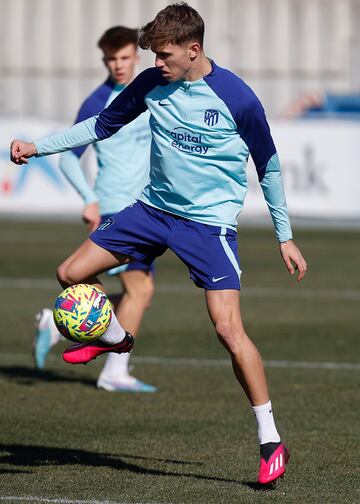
pixel 194 50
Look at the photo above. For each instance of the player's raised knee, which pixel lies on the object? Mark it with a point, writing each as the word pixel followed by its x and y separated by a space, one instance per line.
pixel 65 276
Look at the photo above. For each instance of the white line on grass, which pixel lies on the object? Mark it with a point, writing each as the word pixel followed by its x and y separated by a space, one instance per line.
pixel 179 288
pixel 13 498
pixel 269 364
pixel 175 361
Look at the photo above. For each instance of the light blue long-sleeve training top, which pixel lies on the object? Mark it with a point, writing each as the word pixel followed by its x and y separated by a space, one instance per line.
pixel 202 135
pixel 123 159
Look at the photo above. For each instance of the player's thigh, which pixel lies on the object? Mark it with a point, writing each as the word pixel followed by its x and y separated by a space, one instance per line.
pixel 89 260
pixel 224 307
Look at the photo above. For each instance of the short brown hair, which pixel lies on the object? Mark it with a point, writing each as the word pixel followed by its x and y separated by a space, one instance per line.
pixel 176 24
pixel 118 37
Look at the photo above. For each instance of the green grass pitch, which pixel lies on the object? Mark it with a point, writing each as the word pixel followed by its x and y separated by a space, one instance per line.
pixel 193 442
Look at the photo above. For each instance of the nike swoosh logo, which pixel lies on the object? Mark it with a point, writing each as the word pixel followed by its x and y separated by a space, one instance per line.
pixel 218 279
pixel 164 104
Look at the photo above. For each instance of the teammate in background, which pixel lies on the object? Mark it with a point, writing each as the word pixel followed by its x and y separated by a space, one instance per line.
pixel 123 171
pixel 205 123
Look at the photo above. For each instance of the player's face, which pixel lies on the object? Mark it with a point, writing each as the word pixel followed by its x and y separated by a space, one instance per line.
pixel 121 63
pixel 176 61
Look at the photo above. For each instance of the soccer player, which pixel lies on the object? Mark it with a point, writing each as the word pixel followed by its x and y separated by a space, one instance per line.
pixel 123 170
pixel 205 123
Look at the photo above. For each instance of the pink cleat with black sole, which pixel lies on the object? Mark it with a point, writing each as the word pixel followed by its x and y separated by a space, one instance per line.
pixel 82 353
pixel 273 468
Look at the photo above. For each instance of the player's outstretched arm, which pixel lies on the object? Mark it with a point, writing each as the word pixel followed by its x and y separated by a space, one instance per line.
pixel 125 108
pixel 80 134
pixel 293 259
pixel 20 151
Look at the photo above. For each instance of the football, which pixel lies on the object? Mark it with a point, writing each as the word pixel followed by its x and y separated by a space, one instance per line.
pixel 82 313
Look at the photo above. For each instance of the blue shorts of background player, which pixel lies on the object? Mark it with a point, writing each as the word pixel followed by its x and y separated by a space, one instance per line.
pixel 133 266
pixel 145 233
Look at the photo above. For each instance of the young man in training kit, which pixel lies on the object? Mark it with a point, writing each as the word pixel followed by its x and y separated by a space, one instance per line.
pixel 205 123
pixel 123 170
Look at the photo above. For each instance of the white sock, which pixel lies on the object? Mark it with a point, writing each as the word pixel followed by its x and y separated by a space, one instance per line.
pixel 267 432
pixel 116 367
pixel 114 333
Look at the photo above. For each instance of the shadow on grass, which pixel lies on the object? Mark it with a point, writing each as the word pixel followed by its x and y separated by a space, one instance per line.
pixel 29 376
pixel 9 471
pixel 37 456
pixel 153 459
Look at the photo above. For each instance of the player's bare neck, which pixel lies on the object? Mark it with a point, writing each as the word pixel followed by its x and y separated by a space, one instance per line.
pixel 200 68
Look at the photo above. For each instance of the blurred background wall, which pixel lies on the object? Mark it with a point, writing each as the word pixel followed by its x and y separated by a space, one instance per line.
pixel 283 48
pixel 302 58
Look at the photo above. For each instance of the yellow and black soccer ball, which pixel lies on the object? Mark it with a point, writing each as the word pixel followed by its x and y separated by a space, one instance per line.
pixel 82 313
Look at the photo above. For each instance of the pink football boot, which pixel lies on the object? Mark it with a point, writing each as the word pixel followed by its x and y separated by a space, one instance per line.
pixel 275 466
pixel 82 353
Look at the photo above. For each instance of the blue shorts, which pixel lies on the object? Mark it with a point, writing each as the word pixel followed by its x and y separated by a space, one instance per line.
pixel 133 266
pixel 144 233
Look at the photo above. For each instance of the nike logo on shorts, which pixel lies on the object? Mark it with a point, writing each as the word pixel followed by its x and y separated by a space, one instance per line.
pixel 219 278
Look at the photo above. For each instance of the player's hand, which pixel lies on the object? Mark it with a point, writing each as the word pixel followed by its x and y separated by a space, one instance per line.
pixel 91 215
pixel 20 151
pixel 293 259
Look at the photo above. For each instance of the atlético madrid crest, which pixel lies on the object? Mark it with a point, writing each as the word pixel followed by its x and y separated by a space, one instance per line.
pixel 211 117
